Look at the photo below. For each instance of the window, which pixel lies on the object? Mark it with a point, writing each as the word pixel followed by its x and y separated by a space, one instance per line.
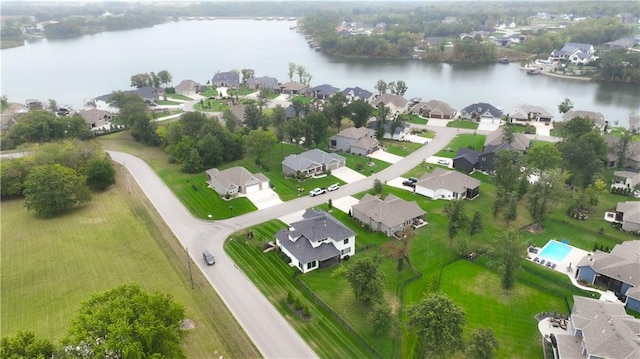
pixel 311 264
pixel 346 241
pixel 346 251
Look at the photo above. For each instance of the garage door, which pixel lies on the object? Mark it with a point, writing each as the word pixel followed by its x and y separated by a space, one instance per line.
pixel 253 188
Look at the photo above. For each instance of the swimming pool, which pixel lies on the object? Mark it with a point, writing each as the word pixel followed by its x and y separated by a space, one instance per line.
pixel 554 251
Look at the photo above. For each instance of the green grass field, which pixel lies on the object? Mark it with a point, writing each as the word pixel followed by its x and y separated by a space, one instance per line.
pixel 471 125
pixel 464 140
pixel 401 149
pixel 176 96
pixel 49 266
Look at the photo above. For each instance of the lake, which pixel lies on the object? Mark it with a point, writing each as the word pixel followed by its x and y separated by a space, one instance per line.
pixel 72 70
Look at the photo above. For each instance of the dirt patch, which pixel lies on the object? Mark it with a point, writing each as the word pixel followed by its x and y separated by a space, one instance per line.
pixel 187 324
pixel 535 228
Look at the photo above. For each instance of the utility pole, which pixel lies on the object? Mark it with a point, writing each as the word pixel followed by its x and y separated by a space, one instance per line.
pixel 189 265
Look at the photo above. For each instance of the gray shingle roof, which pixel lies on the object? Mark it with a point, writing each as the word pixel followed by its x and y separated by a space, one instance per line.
pixel 597 117
pixel 387 127
pixel 496 138
pixel 229 78
pixel 392 211
pixel 435 107
pixel 235 176
pixel 311 158
pixel 483 107
pixel 358 93
pixel 450 180
pixel 623 263
pixel 322 90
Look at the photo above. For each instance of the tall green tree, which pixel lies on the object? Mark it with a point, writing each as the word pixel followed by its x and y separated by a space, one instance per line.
pixel 475 226
pixel 401 88
pixel 437 322
pixel 292 70
pixel 507 169
pixel 381 318
pixel 252 116
pixel 621 148
pixel 52 189
pixel 13 173
pixel 575 128
pixel 458 220
pixel 259 142
pixel 127 322
pixel 165 77
pixel 545 194
pixel 366 280
pixel 25 345
pixel 543 157
pixel 565 106
pixel 336 109
pixel 100 173
pixel 509 248
pixel 360 112
pixel 482 344
pixel 316 127
pixel 381 86
pixel 584 157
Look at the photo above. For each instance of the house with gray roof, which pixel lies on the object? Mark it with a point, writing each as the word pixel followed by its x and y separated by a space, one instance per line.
pixel 317 241
pixel 95 118
pixel 576 53
pixel 448 185
pixel 599 329
pixel 293 88
pixel 238 111
pixel 264 82
pixel 399 133
pixel 618 271
pixel 523 113
pixel 628 213
pixel 148 94
pixel 357 93
pixel 434 109
pixel 625 179
pixel 520 142
pixel 390 215
pixel 395 103
pixel 481 110
pixel 189 88
pixel 229 79
pixel 596 117
pixel 311 163
pixel 321 92
pixel 236 180
pixel 356 140
pixel 632 158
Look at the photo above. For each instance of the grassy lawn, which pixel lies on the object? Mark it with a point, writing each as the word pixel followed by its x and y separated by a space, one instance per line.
pixel 176 96
pixel 117 238
pixel 401 149
pixel 275 279
pixel 417 120
pixel 465 140
pixel 241 92
pixel 211 105
pixel 509 314
pixel 364 165
pixel 167 102
pixel 472 125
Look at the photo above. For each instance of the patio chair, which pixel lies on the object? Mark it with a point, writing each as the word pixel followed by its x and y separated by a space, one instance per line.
pixel 542 261
pixel 553 266
pixel 536 259
pixel 549 264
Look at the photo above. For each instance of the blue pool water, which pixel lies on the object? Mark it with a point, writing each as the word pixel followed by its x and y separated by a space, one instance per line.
pixel 554 251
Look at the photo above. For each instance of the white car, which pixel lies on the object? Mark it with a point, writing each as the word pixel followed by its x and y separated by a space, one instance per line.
pixel 316 192
pixel 333 187
pixel 443 162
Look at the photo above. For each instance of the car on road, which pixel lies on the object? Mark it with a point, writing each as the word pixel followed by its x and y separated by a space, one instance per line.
pixel 443 162
pixel 316 191
pixel 208 258
pixel 333 187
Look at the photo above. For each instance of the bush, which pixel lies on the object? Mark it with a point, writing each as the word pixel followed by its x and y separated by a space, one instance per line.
pixel 298 304
pixel 290 297
pixel 258 162
pixel 359 166
pixel 306 311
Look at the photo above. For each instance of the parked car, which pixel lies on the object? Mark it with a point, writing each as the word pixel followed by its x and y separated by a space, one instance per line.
pixel 333 187
pixel 316 191
pixel 208 258
pixel 443 162
pixel 408 183
pixel 412 179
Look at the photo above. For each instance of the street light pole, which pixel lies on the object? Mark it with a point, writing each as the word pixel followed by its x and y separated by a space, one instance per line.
pixel 189 265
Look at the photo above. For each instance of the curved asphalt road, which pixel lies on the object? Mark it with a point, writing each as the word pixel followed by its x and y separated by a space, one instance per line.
pixel 271 334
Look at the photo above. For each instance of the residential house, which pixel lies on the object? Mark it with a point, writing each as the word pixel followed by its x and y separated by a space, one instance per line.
pixel 434 109
pixel 290 112
pixel 356 93
pixel 229 79
pixel 629 214
pixel 321 92
pixel 395 103
pixel 444 184
pixel 626 43
pixel 389 216
pixel 596 117
pixel 236 180
pixel 618 271
pixel 399 133
pixel 494 143
pixel 466 159
pixel 575 53
pixel 354 140
pixel 625 179
pixel 311 163
pixel 150 95
pixel 238 111
pixel 264 82
pixel 317 241
pixel 598 329
pixel 33 104
pixel 481 110
pixel 189 88
pixel 530 113
pixel 95 118
pixel 632 158
pixel 293 88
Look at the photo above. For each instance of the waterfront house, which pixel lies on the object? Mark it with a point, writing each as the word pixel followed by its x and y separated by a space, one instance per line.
pixel 596 117
pixel 617 271
pixel 189 88
pixel 229 79
pixel 389 216
pixel 575 53
pixel 321 92
pixel 311 163
pixel 481 110
pixel 632 156
pixel 317 241
pixel 293 88
pixel 395 103
pixel 264 82
pixel 523 113
pixel 434 109
pixel 448 185
pixel 357 93
pixel 354 140
pixel 150 95
pixel 235 180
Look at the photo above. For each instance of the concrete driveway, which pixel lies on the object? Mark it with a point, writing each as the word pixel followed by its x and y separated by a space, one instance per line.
pixel 347 175
pixel 344 203
pixel 385 156
pixel 417 139
pixel 264 199
pixel 397 183
pixel 489 124
pixel 434 160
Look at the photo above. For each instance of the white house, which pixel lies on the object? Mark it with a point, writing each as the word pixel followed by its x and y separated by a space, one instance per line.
pixel 449 185
pixel 575 53
pixel 317 241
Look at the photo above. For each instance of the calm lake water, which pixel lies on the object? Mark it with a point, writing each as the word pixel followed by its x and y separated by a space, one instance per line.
pixel 93 65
